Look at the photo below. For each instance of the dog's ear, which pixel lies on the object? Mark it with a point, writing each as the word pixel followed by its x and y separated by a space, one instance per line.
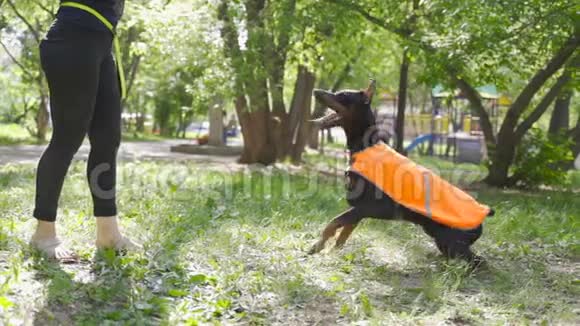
pixel 370 91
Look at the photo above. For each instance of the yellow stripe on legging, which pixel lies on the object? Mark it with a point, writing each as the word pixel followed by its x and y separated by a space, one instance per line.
pixel 116 46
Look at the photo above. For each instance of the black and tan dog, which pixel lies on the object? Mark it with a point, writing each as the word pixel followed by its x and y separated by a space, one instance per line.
pixel 351 110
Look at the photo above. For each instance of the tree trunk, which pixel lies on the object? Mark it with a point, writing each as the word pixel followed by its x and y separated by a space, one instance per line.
pixel 140 124
pixel 260 149
pixel 314 140
pixel 576 139
pixel 476 104
pixel 534 85
pixel 302 104
pixel 250 77
pixel 256 124
pixel 141 117
pixel 560 119
pixel 502 150
pixel 400 122
pixel 506 147
pixel 329 137
pixel 42 119
pixel 281 133
pixel 131 36
pixel 241 105
pixel 498 170
pixel 216 125
pixel 162 119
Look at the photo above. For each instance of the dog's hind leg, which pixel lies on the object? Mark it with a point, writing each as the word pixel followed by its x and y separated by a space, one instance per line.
pixel 345 234
pixel 461 251
pixel 350 217
pixel 458 248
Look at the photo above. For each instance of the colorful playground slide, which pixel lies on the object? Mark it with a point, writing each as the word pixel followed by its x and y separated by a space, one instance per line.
pixel 418 141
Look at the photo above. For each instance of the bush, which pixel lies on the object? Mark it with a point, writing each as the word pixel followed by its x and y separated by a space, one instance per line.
pixel 541 160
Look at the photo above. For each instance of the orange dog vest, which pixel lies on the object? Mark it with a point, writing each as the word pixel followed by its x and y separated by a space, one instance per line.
pixel 417 188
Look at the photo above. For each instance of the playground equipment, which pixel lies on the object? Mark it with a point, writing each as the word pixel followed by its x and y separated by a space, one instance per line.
pixel 418 141
pixel 450 129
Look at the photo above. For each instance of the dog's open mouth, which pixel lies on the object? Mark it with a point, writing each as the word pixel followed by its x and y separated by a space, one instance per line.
pixel 329 120
pixel 333 117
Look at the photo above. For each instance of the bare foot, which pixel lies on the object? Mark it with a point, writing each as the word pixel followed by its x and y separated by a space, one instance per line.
pixel 109 236
pixel 45 240
pixel 118 242
pixel 53 249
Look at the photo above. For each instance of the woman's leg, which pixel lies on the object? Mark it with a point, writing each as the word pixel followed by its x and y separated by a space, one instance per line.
pixel 73 88
pixel 72 71
pixel 105 137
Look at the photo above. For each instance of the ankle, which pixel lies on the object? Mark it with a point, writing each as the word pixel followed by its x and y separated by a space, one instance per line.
pixel 107 229
pixel 44 230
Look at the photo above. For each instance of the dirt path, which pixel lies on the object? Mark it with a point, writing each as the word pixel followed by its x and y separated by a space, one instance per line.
pixel 129 151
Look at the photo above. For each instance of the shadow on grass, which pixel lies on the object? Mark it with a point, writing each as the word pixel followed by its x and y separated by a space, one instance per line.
pixel 147 288
pixel 90 292
pixel 420 290
pixel 521 284
pixel 60 304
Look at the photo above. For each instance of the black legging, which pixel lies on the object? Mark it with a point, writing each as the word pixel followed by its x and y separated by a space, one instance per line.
pixel 84 98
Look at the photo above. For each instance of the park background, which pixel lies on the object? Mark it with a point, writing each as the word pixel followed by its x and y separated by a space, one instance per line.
pixel 226 182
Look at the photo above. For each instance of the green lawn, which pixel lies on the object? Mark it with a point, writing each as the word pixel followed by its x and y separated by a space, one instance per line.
pixel 13 134
pixel 230 249
pixel 138 136
pixel 461 173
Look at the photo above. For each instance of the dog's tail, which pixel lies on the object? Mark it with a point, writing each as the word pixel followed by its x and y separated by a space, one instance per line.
pixel 491 212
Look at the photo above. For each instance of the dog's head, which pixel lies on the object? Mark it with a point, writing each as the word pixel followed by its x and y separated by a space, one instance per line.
pixel 349 109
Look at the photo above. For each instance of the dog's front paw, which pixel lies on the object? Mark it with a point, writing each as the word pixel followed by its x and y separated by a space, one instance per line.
pixel 316 248
pixel 338 245
pixel 478 263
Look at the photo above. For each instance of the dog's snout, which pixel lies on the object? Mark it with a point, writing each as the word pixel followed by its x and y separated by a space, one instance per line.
pixel 320 93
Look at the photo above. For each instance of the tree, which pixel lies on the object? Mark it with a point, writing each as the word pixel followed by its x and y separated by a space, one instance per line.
pixel 30 19
pixel 560 119
pixel 277 38
pixel 404 81
pixel 181 70
pixel 250 77
pixel 474 42
pixel 575 135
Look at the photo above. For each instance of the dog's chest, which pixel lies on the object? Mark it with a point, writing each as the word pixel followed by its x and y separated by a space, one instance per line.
pixel 365 195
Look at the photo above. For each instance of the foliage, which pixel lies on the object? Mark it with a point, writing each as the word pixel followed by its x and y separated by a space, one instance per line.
pixel 529 49
pixel 165 55
pixel 181 72
pixel 12 134
pixel 179 61
pixel 542 160
pixel 26 94
pixel 335 39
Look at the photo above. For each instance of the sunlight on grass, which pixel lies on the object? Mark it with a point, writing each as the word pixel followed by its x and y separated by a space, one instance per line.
pixel 13 134
pixel 230 247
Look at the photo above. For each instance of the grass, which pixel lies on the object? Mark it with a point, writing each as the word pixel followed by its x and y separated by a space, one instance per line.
pixel 13 134
pixel 142 137
pixel 459 173
pixel 227 247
